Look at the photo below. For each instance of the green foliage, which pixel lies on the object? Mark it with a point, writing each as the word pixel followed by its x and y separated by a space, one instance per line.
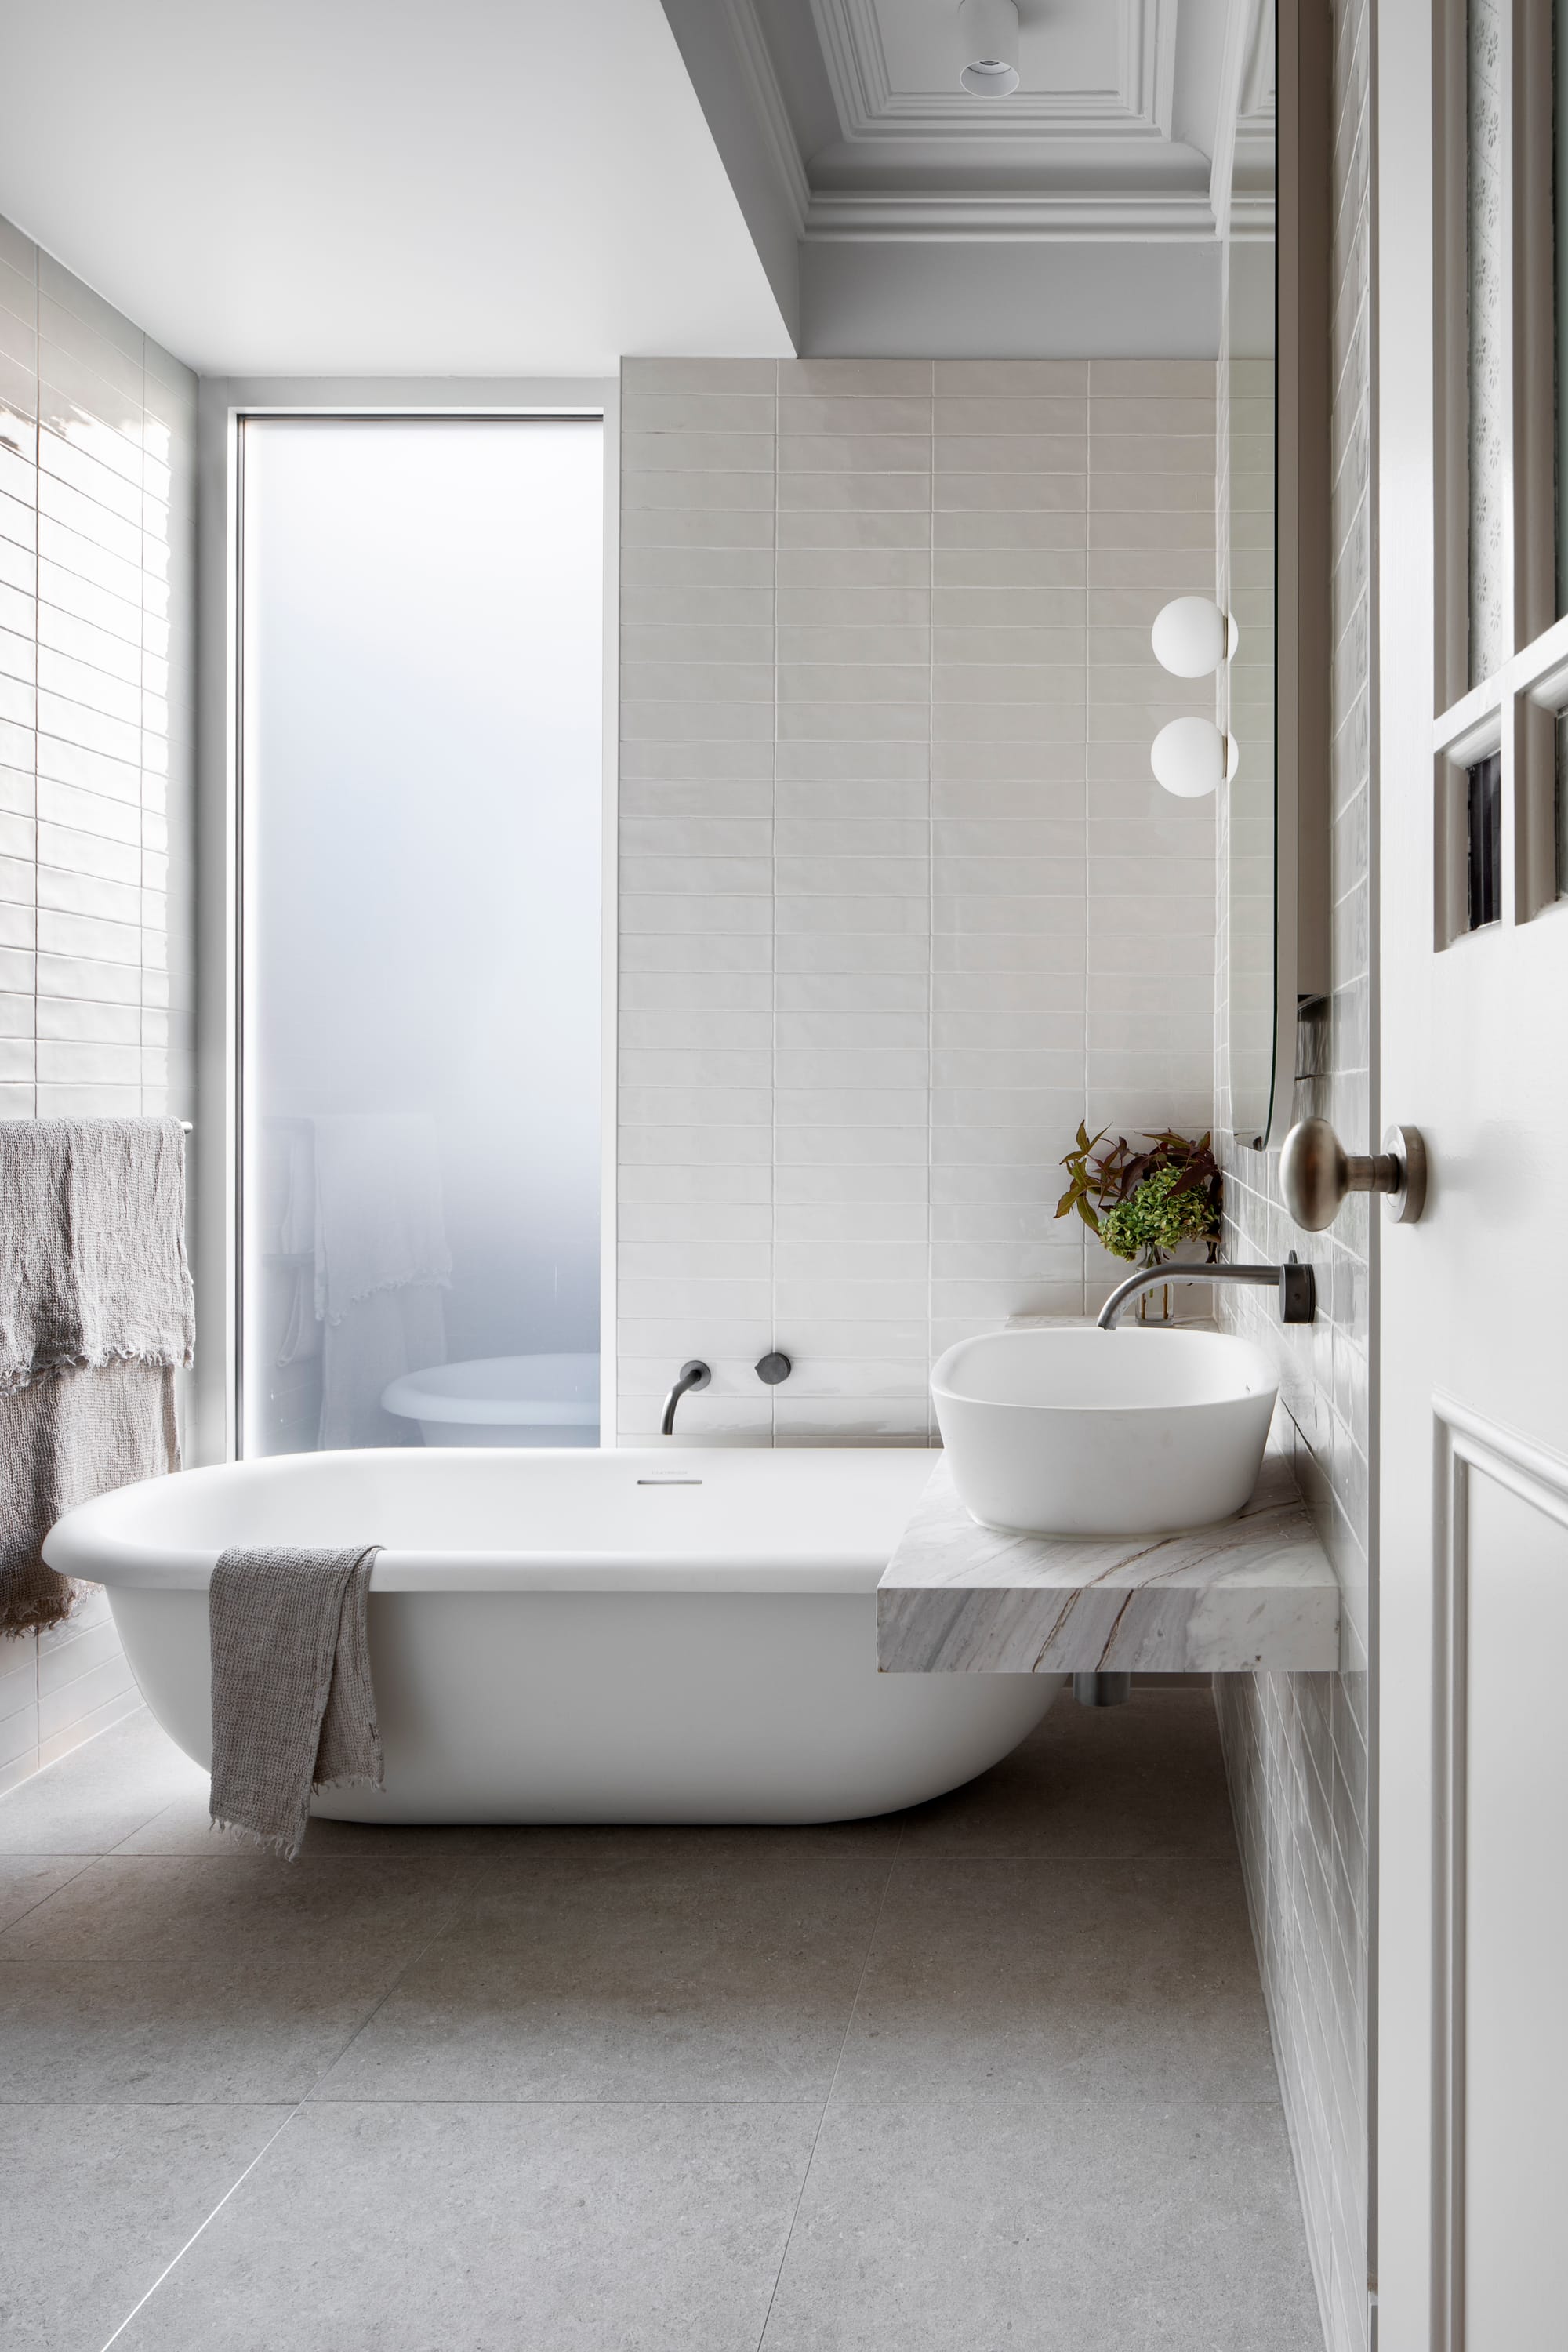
pixel 1156 1218
pixel 1144 1204
pixel 1093 1181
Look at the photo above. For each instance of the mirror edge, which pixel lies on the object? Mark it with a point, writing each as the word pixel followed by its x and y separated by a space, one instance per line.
pixel 1303 494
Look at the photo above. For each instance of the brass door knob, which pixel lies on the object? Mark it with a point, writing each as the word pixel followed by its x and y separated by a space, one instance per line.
pixel 1316 1173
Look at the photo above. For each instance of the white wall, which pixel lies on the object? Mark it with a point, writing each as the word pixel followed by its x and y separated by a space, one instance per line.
pixel 97 609
pixel 1047 300
pixel 901 902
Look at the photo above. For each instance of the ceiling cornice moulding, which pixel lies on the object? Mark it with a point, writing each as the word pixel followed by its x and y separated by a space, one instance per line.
pixel 1252 217
pixel 771 112
pixel 867 216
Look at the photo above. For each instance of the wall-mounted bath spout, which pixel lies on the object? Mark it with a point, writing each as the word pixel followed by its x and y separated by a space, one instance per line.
pixel 1295 1285
pixel 694 1375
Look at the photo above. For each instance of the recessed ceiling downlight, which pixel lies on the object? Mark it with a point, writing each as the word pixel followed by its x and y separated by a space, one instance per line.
pixel 990 40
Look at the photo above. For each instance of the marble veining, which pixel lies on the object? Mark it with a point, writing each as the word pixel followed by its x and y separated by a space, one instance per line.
pixel 1254 1592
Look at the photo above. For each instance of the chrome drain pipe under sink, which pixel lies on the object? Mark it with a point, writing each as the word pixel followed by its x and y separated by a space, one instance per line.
pixel 1101 1690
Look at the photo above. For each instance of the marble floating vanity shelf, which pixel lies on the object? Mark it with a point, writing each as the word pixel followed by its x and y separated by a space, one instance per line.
pixel 1254 1594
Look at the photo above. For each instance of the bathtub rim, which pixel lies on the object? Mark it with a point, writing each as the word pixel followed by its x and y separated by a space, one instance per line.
pixel 85 1541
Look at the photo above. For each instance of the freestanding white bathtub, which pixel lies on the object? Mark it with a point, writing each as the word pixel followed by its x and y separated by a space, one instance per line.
pixel 643 1637
pixel 501 1401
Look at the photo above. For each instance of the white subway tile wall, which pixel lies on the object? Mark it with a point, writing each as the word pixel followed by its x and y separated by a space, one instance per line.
pixel 901 902
pixel 1297 1746
pixel 97 616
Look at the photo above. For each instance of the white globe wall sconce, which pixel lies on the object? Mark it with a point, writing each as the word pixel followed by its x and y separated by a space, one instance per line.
pixel 989 33
pixel 1191 636
pixel 1191 757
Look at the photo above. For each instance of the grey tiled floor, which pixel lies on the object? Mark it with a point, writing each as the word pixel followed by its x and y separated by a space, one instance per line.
pixel 991 2073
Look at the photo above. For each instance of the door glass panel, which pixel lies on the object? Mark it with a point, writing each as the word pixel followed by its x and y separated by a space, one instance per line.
pixel 421 701
pixel 1484 831
pixel 1489 602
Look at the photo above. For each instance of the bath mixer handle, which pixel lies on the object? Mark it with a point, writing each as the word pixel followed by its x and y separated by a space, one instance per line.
pixel 774 1368
pixel 694 1375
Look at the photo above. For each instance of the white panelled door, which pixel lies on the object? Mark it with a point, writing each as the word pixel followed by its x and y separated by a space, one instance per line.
pixel 1472 1627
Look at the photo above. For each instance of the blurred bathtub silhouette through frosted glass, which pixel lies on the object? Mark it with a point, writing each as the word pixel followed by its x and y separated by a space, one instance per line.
pixel 422 791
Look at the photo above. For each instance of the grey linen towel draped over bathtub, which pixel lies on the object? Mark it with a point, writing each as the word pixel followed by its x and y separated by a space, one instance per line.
pixel 292 1705
pixel 96 1315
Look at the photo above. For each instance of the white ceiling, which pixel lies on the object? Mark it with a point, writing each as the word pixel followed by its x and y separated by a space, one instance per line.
pixel 481 187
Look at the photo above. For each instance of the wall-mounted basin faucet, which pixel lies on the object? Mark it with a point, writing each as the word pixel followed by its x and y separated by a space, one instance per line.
pixel 1295 1285
pixel 694 1375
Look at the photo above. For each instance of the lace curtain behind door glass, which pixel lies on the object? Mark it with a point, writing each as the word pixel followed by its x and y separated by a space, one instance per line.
pixel 1488 379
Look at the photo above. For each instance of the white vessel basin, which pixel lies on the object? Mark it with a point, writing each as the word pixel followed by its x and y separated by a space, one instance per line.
pixel 1089 1433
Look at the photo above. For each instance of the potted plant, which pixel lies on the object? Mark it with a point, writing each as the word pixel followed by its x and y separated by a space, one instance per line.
pixel 1146 1205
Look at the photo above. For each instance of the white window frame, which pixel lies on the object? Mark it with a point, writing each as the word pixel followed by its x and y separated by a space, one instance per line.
pixel 214 1428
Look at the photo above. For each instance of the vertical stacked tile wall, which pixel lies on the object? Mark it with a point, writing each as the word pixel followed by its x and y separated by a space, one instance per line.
pixel 901 902
pixel 1297 1746
pixel 97 613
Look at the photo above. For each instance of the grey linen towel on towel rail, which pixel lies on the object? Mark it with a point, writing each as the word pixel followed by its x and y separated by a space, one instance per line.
pixel 96 1316
pixel 292 1705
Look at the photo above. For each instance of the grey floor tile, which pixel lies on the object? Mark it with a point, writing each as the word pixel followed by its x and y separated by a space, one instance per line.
pixel 583 1979
pixel 255 1908
pixel 494 2228
pixel 1117 2225
pixel 98 2200
pixel 564 2084
pixel 27 1879
pixel 1094 1784
pixel 203 2032
pixel 99 1793
pixel 1005 1980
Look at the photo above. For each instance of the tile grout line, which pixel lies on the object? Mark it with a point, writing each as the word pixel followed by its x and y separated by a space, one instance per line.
pixel 930 1432
pixel 774 951
pixel 142 966
pixel 83 1862
pixel 833 2085
pixel 437 1932
pixel 422 2099
pixel 37 459
pixel 1085 1271
pixel 175 2260
pixel 298 2109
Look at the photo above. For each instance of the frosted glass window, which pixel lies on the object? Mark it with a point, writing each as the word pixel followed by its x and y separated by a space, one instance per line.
pixel 421 706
